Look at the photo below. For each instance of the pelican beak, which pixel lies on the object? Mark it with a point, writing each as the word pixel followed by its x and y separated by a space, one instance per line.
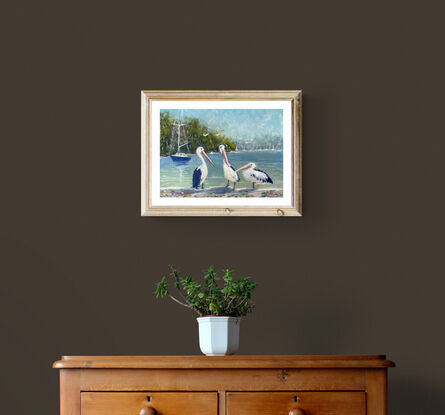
pixel 223 152
pixel 243 168
pixel 208 158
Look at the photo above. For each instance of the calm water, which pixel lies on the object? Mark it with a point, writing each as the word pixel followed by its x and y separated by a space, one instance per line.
pixel 180 175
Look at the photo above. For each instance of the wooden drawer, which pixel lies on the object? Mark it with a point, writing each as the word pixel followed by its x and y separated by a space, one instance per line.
pixel 165 403
pixel 280 403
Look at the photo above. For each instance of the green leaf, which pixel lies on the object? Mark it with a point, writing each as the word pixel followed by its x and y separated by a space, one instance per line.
pixel 227 296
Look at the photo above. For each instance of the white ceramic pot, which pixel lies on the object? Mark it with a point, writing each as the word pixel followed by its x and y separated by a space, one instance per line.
pixel 218 336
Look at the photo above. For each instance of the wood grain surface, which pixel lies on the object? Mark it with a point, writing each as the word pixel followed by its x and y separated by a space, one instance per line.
pixel 164 403
pixel 234 362
pixel 282 403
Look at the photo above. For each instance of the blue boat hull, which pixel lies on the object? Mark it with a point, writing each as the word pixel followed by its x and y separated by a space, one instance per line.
pixel 180 159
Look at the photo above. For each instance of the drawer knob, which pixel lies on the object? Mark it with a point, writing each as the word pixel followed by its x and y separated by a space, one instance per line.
pixel 296 411
pixel 148 411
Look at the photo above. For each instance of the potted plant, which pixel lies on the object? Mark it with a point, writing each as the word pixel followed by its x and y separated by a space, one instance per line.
pixel 219 302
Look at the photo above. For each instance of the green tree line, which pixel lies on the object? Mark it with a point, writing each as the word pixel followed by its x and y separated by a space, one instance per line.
pixel 194 133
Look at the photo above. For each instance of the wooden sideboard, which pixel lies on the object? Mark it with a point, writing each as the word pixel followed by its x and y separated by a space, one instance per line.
pixel 223 385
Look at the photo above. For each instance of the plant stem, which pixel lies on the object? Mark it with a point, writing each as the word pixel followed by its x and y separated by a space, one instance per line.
pixel 243 299
pixel 176 278
pixel 228 305
pixel 183 304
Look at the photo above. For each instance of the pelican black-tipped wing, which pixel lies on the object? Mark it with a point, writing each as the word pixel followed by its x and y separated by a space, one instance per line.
pixel 262 176
pixel 197 177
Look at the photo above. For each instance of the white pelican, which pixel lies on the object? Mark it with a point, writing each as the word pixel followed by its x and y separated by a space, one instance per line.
pixel 229 172
pixel 253 175
pixel 200 173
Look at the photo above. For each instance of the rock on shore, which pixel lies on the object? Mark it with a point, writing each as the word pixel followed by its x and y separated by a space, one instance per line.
pixel 221 192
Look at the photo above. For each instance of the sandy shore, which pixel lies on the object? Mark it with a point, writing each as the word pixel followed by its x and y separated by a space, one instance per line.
pixel 221 192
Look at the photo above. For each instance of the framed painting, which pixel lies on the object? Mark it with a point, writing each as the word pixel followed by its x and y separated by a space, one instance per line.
pixel 221 153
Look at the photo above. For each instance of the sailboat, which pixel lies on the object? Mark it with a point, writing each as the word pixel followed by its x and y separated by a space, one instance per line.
pixel 178 156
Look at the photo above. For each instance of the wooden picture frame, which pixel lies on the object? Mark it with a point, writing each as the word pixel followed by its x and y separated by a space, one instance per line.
pixel 258 197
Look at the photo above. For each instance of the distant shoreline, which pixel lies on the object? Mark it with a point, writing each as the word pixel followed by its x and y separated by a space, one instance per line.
pixel 221 191
pixel 231 152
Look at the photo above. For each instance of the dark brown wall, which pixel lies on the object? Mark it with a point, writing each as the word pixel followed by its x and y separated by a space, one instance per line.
pixel 361 272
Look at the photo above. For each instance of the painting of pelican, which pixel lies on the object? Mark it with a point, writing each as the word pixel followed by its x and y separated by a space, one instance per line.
pixel 225 139
pixel 201 172
pixel 253 175
pixel 217 153
pixel 230 173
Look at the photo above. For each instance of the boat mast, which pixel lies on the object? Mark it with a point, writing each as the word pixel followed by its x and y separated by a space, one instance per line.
pixel 179 125
pixel 179 133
